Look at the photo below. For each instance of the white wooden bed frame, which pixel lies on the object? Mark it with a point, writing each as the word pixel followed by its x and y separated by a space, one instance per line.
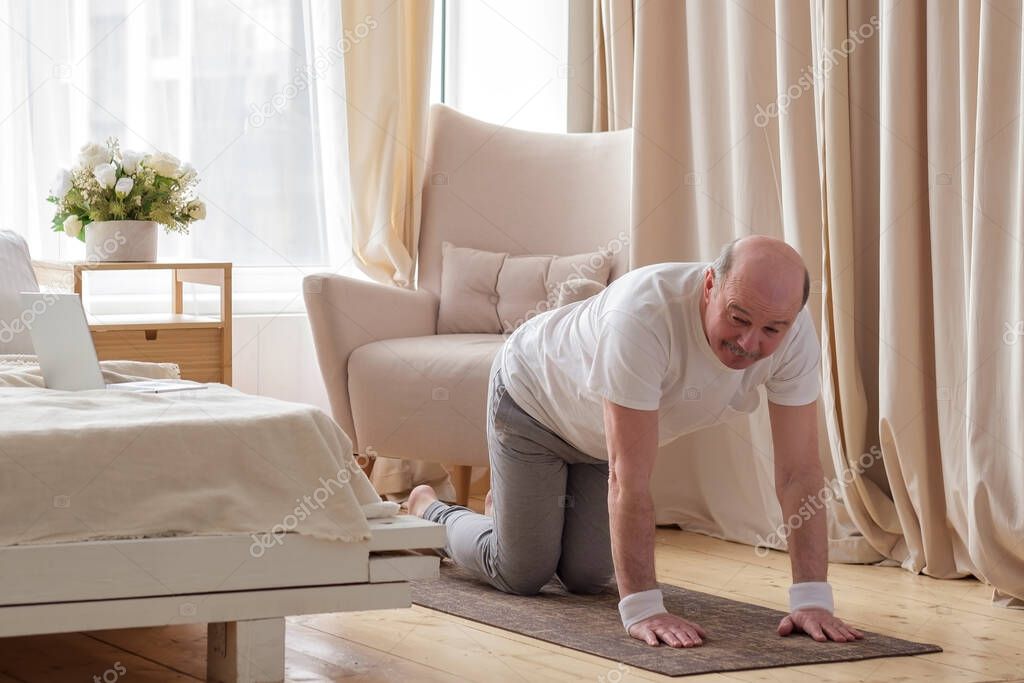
pixel 67 587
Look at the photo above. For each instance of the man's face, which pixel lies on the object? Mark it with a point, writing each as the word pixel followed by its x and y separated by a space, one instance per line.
pixel 745 320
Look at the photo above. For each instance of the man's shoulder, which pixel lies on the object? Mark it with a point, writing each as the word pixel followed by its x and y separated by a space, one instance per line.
pixel 659 279
pixel 805 334
pixel 803 342
pixel 653 290
pixel 668 269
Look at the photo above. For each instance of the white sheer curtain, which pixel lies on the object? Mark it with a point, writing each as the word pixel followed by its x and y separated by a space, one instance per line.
pixel 32 135
pixel 236 88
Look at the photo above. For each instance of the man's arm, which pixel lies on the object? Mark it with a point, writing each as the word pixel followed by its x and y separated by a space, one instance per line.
pixel 799 481
pixel 632 440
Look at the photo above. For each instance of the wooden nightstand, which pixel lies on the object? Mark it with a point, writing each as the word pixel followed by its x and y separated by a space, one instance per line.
pixel 200 345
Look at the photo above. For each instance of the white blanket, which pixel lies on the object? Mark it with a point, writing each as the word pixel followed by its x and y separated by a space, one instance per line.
pixel 96 464
pixel 18 370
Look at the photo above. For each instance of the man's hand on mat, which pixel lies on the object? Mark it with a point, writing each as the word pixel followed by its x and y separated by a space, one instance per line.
pixel 669 629
pixel 818 624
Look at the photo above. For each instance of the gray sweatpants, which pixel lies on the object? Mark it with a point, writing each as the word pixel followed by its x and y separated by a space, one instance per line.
pixel 550 512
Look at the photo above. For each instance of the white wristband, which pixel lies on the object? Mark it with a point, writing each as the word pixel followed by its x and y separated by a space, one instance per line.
pixel 638 606
pixel 811 594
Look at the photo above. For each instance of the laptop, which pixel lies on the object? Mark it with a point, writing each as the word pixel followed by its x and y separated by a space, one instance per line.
pixel 66 353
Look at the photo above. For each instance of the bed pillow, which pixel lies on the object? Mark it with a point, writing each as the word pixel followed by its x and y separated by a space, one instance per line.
pixel 484 292
pixel 16 276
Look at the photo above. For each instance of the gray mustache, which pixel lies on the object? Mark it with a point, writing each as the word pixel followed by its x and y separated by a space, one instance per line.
pixel 735 349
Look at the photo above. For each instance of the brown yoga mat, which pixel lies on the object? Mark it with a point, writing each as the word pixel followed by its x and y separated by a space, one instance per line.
pixel 740 635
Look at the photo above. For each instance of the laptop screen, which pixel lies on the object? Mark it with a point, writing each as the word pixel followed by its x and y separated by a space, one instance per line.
pixel 63 344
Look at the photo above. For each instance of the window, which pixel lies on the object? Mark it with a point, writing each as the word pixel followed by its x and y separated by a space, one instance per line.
pixel 206 80
pixel 231 87
pixel 504 60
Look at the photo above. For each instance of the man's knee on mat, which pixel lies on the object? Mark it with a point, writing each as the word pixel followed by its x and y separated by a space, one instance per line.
pixel 585 581
pixel 522 588
pixel 524 584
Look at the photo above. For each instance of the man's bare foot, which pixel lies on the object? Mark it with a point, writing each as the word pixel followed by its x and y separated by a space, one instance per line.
pixel 420 499
pixel 488 504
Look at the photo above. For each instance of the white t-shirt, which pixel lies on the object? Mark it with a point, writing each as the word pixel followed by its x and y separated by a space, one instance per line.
pixel 640 343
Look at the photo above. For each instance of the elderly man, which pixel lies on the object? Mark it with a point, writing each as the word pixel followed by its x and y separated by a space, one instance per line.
pixel 582 396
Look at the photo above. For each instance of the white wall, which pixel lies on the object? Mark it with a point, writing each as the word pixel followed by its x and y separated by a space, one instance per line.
pixel 274 356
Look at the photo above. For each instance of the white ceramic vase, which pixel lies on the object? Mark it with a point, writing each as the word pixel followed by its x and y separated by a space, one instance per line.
pixel 121 241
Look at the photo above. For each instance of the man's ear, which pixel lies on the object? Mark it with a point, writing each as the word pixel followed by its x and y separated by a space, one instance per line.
pixel 709 284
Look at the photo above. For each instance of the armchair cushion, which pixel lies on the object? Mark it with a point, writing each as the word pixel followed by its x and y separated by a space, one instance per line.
pixel 577 289
pixel 469 279
pixel 485 292
pixel 423 397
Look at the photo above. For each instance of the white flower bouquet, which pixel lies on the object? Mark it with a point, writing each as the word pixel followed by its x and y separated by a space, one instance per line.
pixel 110 185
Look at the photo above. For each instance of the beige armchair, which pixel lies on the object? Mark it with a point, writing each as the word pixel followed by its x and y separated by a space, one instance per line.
pixel 399 389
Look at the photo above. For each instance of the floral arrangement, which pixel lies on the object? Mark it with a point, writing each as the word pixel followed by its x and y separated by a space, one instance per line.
pixel 110 185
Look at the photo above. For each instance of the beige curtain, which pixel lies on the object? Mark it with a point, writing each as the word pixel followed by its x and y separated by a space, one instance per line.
pixel 387 92
pixel 884 141
pixel 711 163
pixel 921 175
pixel 601 47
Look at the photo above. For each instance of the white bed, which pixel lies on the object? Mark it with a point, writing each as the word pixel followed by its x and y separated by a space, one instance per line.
pixel 104 573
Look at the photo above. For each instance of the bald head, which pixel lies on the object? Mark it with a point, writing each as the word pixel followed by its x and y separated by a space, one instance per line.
pixel 751 297
pixel 766 264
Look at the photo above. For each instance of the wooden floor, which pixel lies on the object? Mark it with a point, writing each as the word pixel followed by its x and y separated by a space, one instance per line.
pixel 981 642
